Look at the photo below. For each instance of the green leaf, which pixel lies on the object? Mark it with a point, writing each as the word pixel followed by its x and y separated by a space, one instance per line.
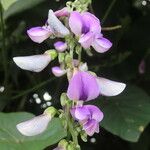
pixel 7 3
pixel 11 139
pixel 20 6
pixel 126 115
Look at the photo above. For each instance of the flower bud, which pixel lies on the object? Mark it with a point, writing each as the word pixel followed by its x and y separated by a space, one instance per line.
pixel 57 71
pixel 60 46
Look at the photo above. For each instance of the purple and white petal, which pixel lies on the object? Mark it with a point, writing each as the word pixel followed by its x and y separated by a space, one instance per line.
pixel 35 63
pixel 34 126
pixel 58 72
pixel 96 113
pixel 86 40
pixel 109 87
pixel 60 46
pixel 83 86
pixel 90 127
pixel 64 12
pixel 101 45
pixel 39 34
pixel 56 25
pixel 76 23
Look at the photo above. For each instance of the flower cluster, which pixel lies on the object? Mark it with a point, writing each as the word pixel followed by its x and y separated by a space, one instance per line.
pixel 78 31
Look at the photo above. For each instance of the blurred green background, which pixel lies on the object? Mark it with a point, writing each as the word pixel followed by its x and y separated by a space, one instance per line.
pixel 127 116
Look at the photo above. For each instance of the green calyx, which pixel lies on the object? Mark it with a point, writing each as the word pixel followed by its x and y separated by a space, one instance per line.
pixel 63 144
pixel 51 111
pixel 51 53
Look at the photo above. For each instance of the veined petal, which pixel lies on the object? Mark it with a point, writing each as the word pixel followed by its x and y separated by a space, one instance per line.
pixel 86 40
pixel 90 127
pixel 39 34
pixel 58 28
pixel 35 63
pixel 76 23
pixel 64 12
pixel 101 45
pixel 110 88
pixel 35 126
pixel 83 86
pixel 96 113
pixel 60 46
pixel 57 71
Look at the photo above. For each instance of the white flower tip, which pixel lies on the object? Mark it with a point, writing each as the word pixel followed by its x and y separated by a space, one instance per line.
pixel 110 88
pixel 35 63
pixel 34 126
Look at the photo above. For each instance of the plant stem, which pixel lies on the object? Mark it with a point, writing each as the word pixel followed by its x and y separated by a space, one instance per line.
pixel 33 89
pixel 111 28
pixel 108 11
pixel 3 45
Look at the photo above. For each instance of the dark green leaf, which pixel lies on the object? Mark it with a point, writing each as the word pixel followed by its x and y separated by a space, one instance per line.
pixel 126 115
pixel 11 139
pixel 20 6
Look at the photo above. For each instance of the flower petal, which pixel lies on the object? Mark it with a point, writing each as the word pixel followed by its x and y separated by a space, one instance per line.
pixel 64 12
pixel 92 21
pixel 34 126
pixel 35 63
pixel 57 71
pixel 60 46
pixel 76 23
pixel 39 34
pixel 101 45
pixel 110 88
pixel 90 127
pixel 83 86
pixel 86 40
pixel 58 28
pixel 82 113
pixel 96 113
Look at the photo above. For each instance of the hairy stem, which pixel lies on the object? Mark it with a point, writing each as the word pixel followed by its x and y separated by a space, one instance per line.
pixel 111 28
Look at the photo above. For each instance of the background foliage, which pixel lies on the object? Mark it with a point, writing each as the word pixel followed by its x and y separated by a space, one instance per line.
pixel 126 123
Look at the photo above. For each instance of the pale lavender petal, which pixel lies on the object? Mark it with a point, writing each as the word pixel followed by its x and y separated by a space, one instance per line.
pixel 64 12
pixel 90 127
pixel 92 21
pixel 83 86
pixel 101 45
pixel 96 113
pixel 76 23
pixel 39 34
pixel 60 46
pixel 56 25
pixel 142 67
pixel 82 113
pixel 110 88
pixel 35 63
pixel 35 126
pixel 57 71
pixel 86 40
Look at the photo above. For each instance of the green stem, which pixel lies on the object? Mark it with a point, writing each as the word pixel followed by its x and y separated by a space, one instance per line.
pixel 108 11
pixel 3 46
pixel 33 89
pixel 111 28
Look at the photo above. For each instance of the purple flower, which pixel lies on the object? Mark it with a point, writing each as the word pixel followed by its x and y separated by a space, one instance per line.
pixel 87 27
pixel 84 86
pixel 57 71
pixel 39 34
pixel 60 46
pixel 89 116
